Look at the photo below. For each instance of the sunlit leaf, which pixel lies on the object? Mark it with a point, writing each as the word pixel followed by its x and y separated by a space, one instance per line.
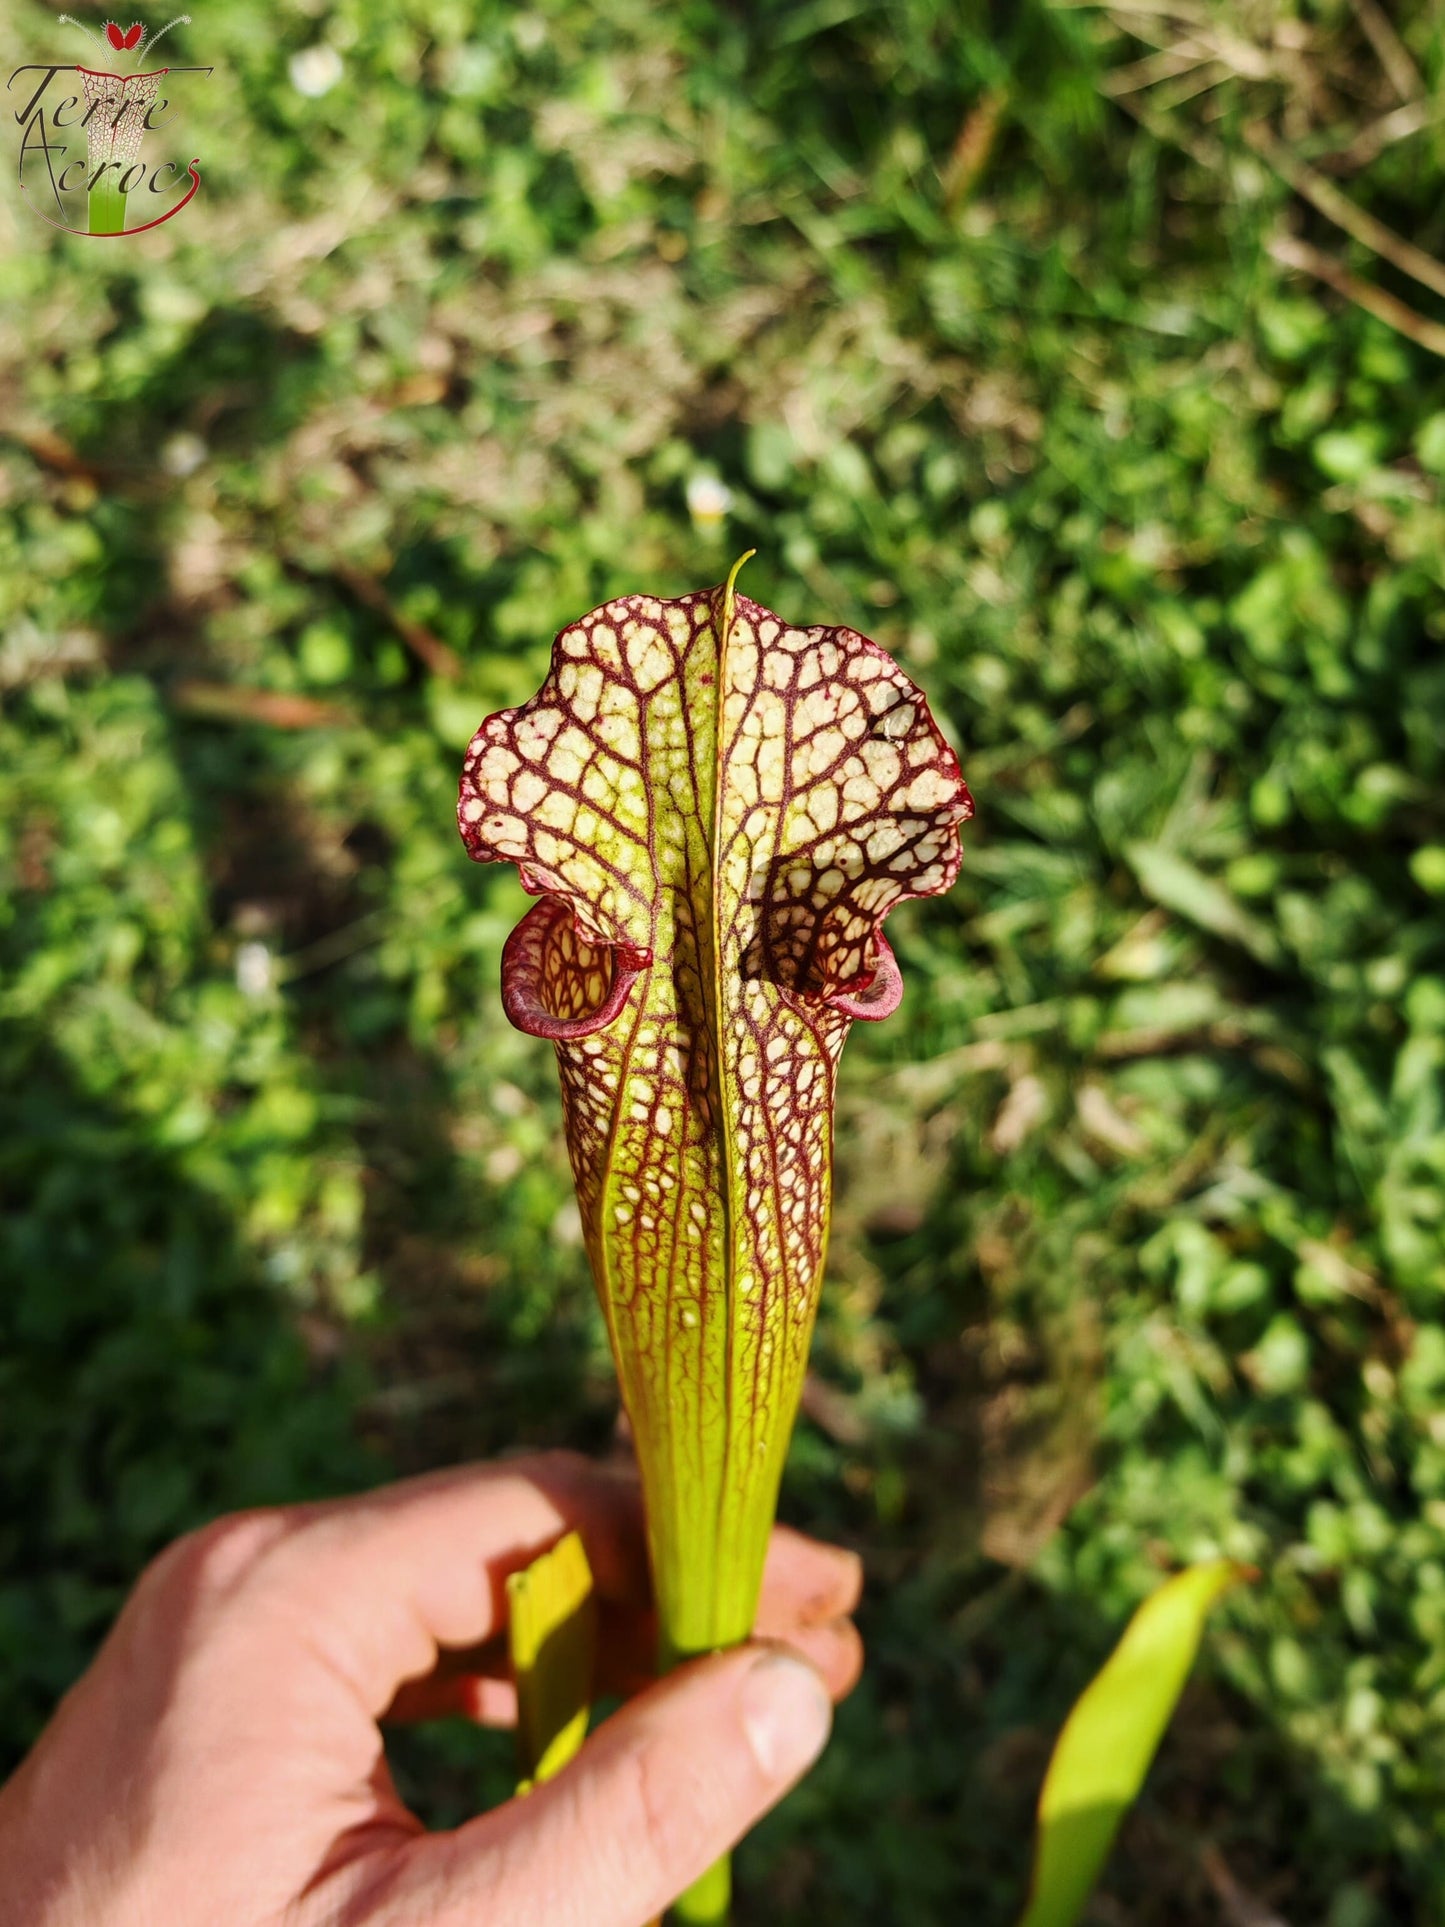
pixel 1110 1738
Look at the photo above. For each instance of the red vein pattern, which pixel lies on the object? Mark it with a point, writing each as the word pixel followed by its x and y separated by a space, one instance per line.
pixel 718 811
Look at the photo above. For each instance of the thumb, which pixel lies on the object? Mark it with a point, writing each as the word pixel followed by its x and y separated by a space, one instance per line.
pixel 663 1788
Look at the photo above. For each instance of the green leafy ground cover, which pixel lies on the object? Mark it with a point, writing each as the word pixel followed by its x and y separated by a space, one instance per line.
pixel 1141 1240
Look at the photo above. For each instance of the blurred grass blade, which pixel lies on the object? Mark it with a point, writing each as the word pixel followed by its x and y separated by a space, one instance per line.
pixel 554 1649
pixel 1110 1738
pixel 1189 893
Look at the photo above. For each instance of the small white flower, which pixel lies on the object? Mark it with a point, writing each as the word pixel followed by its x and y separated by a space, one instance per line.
pixel 315 71
pixel 183 454
pixel 255 971
pixel 708 499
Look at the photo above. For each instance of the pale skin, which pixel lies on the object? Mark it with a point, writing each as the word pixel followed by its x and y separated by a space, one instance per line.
pixel 221 1763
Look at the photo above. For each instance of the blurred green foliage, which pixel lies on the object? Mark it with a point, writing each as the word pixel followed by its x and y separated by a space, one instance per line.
pixel 1141 1241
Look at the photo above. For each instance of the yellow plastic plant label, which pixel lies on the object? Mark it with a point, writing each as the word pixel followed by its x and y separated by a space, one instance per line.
pixel 553 1633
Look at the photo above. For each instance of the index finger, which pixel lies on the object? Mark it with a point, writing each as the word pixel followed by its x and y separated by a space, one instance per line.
pixel 386 1579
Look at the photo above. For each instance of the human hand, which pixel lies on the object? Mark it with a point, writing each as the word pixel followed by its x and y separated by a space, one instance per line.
pixel 221 1762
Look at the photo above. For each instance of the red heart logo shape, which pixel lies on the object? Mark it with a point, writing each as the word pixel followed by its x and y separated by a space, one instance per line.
pixel 123 42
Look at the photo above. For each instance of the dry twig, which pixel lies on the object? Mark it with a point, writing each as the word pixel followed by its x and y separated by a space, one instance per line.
pixel 1293 253
pixel 1339 208
pixel 438 657
pixel 1165 64
pixel 1372 140
pixel 1239 1907
pixel 1390 50
pixel 53 452
pixel 230 703
pixel 1201 148
pixel 972 149
pixel 1193 51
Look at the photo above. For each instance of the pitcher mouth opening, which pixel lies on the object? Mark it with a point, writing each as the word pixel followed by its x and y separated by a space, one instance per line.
pixel 560 983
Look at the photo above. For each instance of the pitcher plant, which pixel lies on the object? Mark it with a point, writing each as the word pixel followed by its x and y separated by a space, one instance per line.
pixel 716 811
